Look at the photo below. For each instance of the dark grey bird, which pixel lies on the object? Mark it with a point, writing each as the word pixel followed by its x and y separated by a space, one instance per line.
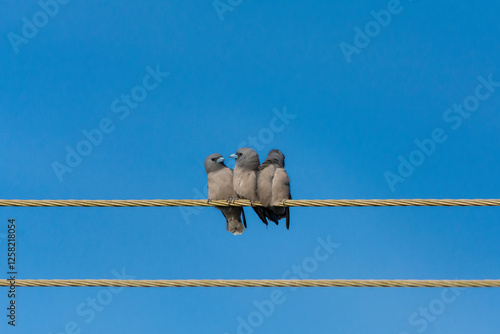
pixel 273 187
pixel 245 177
pixel 220 187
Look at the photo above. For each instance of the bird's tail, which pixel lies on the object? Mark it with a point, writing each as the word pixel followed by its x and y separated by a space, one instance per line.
pixel 275 213
pixel 261 212
pixel 269 213
pixel 235 226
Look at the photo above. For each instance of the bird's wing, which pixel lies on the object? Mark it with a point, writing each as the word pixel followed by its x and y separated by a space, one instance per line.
pixel 280 187
pixel 265 177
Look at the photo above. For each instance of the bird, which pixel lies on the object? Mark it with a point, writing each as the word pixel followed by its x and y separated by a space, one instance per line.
pixel 245 177
pixel 220 187
pixel 273 187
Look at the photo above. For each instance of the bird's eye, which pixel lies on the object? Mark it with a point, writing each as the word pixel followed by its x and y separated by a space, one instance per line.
pixel 213 159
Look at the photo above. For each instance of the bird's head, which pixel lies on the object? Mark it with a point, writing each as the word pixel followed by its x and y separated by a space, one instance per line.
pixel 246 158
pixel 277 157
pixel 214 162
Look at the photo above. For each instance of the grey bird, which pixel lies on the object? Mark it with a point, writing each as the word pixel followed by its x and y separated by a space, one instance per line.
pixel 245 177
pixel 220 187
pixel 273 187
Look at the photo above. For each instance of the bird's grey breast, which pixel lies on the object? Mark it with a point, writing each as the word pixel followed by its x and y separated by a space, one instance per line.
pixel 245 183
pixel 220 184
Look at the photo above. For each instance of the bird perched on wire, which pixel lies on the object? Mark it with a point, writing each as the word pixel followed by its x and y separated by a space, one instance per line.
pixel 220 187
pixel 245 177
pixel 273 187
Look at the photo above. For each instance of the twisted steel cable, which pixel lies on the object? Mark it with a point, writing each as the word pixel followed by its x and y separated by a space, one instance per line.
pixel 319 283
pixel 251 283
pixel 244 202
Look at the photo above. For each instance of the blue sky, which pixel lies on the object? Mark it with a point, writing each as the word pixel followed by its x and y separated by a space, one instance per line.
pixel 408 114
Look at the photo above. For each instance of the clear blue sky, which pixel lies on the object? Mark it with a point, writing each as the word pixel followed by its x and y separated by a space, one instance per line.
pixel 370 114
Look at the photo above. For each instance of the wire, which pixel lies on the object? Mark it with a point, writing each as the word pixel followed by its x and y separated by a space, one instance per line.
pixel 243 202
pixel 320 283
pixel 251 283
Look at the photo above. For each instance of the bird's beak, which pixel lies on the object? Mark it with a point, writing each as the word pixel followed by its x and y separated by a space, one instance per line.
pixel 234 156
pixel 221 159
